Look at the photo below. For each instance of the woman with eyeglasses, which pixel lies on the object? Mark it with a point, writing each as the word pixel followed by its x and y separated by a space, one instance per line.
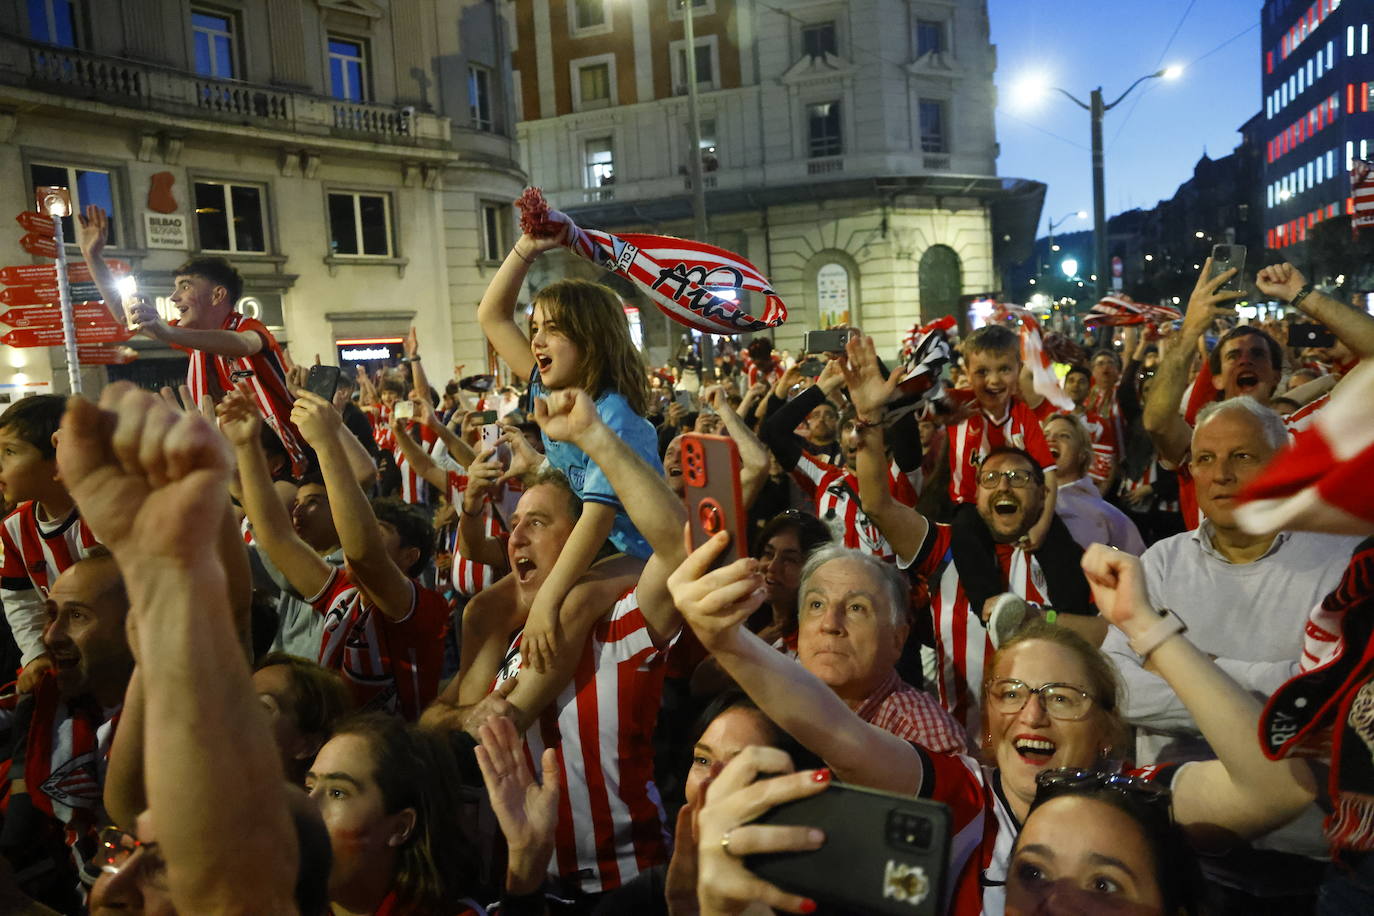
pixel 1050 702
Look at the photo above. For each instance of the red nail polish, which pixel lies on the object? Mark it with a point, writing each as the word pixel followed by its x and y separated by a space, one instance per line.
pixel 808 905
pixel 820 776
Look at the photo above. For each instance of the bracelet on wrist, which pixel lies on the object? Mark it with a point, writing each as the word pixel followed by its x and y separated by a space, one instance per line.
pixel 1296 301
pixel 516 251
pixel 1168 626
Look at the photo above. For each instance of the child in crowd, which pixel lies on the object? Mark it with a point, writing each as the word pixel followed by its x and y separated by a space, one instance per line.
pixel 579 338
pixel 44 534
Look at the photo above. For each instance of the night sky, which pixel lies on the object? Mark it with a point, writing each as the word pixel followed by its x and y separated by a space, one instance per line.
pixel 1152 139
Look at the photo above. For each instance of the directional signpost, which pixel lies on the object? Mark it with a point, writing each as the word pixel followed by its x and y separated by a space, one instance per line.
pixel 43 275
pixel 39 223
pixel 44 238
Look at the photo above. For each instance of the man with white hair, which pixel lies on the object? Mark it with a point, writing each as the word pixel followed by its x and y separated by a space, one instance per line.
pixel 1243 598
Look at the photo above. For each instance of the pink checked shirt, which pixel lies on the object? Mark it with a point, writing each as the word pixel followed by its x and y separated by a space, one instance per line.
pixel 913 715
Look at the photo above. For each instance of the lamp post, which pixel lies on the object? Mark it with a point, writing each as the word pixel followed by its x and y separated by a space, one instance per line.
pixel 1096 108
pixel 694 161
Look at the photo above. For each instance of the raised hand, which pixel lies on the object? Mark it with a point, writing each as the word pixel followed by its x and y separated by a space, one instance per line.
pixel 868 389
pixel 523 458
pixel 316 418
pixel 715 602
pixel 149 480
pixel 725 835
pixel 143 317
pixel 566 415
pixel 1208 301
pixel 526 810
pixel 483 474
pixel 411 344
pixel 1280 281
pixel 92 231
pixel 1118 583
pixel 239 418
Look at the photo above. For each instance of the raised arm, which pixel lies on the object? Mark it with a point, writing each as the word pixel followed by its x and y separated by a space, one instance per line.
pixel 753 454
pixel 496 312
pixel 1352 327
pixel 418 459
pixel 1165 425
pixel 715 603
pixel 1241 792
pixel 473 541
pixel 273 531
pixel 360 535
pixel 92 233
pixel 457 447
pixel 149 480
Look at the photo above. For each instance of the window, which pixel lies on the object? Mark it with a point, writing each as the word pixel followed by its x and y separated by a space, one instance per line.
pixel 229 217
pixel 709 157
pixel 479 97
pixel 600 159
pixel 53 21
pixel 87 186
pixel 589 13
pixel 930 37
pixel 705 66
pixel 347 69
pixel 212 34
pixel 594 85
pixel 832 294
pixel 495 229
pixel 359 225
pixel 934 138
pixel 818 39
pixel 823 129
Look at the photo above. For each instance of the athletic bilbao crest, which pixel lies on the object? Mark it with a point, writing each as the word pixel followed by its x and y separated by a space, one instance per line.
pixel 74 784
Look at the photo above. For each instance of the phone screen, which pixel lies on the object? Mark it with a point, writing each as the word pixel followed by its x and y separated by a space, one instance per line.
pixel 1225 257
pixel 323 380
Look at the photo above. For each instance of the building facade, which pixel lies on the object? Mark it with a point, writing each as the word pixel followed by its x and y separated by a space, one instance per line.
pixel 355 159
pixel 848 146
pixel 1318 81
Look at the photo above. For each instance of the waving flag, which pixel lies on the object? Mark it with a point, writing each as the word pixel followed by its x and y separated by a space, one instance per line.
pixel 1362 192
pixel 926 351
pixel 1119 310
pixel 695 284
pixel 1320 482
pixel 1034 356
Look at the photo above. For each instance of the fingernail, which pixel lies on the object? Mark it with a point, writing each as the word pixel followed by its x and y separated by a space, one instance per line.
pixel 816 836
pixel 822 775
pixel 808 905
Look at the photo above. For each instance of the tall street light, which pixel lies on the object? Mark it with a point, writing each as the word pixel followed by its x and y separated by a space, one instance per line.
pixel 694 162
pixel 1096 109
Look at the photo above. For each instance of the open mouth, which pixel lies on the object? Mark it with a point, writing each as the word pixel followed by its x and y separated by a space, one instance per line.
pixel 1247 380
pixel 544 362
pixel 1034 749
pixel 524 568
pixel 65 662
pixel 1054 452
pixel 1006 506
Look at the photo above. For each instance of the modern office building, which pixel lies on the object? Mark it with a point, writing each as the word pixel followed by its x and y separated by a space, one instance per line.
pixel 354 159
pixel 1318 80
pixel 848 146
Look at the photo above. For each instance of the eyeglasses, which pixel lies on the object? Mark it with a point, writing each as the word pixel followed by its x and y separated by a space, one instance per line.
pixel 117 847
pixel 1017 478
pixel 1061 701
pixel 1069 780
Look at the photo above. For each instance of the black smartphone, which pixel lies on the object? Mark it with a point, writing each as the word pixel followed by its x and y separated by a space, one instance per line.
pixel 832 341
pixel 893 851
pixel 1310 335
pixel 1224 257
pixel 323 380
pixel 811 368
pixel 477 383
pixel 484 417
pixel 710 473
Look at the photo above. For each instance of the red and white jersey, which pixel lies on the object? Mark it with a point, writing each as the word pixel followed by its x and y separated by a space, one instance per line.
pixel 611 823
pixel 414 488
pixel 470 577
pixel 1103 433
pixel 753 374
pixel 1150 478
pixel 389 665
pixel 1302 418
pixel 962 647
pixel 36 553
pixel 972 439
pixel 836 495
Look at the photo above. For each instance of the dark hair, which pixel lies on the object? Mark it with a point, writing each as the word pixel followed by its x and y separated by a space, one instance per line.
pixel 412 524
pixel 35 419
pixel 218 271
pixel 1037 472
pixel 319 697
pixel 1104 351
pixel 593 317
pixel 395 387
pixel 733 698
pixel 1275 351
pixel 993 338
pixel 811 531
pixel 1078 370
pixel 556 478
pixel 415 769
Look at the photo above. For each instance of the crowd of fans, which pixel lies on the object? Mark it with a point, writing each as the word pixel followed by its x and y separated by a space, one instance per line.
pixel 436 647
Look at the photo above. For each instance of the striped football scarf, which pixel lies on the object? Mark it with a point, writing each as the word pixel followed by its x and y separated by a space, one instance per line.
pixel 1034 356
pixel 1120 310
pixel 691 282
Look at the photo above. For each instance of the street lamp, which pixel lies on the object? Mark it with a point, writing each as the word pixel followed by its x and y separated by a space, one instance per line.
pixel 1069 266
pixel 1096 109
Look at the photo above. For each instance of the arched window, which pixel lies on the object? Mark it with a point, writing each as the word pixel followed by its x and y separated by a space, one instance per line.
pixel 832 295
pixel 941 281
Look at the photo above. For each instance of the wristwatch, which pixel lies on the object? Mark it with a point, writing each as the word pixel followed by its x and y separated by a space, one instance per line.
pixel 1169 625
pixel 1296 301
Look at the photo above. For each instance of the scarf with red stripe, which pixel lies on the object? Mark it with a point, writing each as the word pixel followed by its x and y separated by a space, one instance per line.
pixel 695 284
pixel 1362 194
pixel 1120 310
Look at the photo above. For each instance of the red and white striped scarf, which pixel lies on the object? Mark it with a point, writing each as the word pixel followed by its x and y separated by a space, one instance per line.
pixel 682 277
pixel 1362 192
pixel 1120 310
pixel 1034 356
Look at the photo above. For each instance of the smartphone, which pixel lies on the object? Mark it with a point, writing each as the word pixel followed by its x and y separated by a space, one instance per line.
pixel 683 399
pixel 893 851
pixel 1310 335
pixel 323 380
pixel 710 473
pixel 1224 257
pixel 484 417
pixel 490 437
pixel 403 410
pixel 811 368
pixel 478 383
pixel 832 341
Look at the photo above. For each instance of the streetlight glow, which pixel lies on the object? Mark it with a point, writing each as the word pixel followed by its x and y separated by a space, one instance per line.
pixel 1029 89
pixel 1172 73
pixel 1082 214
pixel 1198 234
pixel 1069 266
pixel 1149 257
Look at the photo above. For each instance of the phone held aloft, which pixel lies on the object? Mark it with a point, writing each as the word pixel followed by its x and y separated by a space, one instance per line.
pixel 883 854
pixel 403 410
pixel 831 341
pixel 715 502
pixel 322 381
pixel 1225 257
pixel 490 437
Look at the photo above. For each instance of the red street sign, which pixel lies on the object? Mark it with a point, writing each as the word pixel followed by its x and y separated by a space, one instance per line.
pixel 52 337
pixel 41 295
pixel 50 316
pixel 45 246
pixel 37 223
pixel 97 355
pixel 46 274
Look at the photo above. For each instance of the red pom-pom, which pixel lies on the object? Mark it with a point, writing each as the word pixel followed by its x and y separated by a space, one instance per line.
pixel 534 215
